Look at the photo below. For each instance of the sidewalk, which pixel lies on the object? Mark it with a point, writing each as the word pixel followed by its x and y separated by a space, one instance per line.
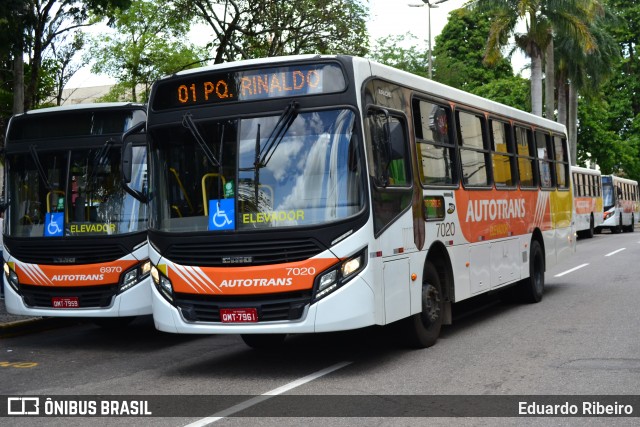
pixel 10 323
pixel 13 325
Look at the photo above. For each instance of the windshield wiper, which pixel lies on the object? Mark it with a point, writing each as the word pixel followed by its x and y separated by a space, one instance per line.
pixel 277 134
pixel 100 159
pixel 187 121
pixel 39 167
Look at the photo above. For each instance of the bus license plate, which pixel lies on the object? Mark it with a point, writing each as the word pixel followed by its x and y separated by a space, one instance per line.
pixel 238 315
pixel 65 302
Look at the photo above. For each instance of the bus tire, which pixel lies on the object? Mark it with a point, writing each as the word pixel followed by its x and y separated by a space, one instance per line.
pixel 422 329
pixel 532 288
pixel 632 226
pixel 617 228
pixel 264 341
pixel 590 231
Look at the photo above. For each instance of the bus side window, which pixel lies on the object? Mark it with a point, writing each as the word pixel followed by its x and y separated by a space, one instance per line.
pixel 561 161
pixel 502 156
pixel 474 154
pixel 544 155
pixel 436 151
pixel 392 168
pixel 399 165
pixel 526 168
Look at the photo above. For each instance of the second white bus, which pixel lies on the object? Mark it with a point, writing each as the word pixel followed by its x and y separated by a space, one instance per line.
pixel 620 199
pixel 587 200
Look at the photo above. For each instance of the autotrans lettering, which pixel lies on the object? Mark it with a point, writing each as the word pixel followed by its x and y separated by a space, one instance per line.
pixel 77 277
pixel 92 228
pixel 274 216
pixel 250 283
pixel 491 210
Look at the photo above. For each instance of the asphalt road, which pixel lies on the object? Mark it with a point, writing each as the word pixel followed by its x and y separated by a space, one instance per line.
pixel 582 339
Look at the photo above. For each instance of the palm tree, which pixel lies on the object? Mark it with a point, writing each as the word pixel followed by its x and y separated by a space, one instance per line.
pixel 542 18
pixel 580 72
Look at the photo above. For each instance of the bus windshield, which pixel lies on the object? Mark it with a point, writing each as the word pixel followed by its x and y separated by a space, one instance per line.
pixel 75 192
pixel 608 197
pixel 286 170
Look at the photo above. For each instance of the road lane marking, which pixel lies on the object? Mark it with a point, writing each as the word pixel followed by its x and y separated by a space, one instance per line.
pixel 615 252
pixel 258 399
pixel 571 270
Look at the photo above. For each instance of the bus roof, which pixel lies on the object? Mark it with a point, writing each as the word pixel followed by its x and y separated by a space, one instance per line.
pixel 459 96
pixel 586 170
pixel 397 76
pixel 79 107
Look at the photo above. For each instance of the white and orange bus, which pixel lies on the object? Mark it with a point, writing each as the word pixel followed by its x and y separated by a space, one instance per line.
pixel 75 241
pixel 324 193
pixel 621 203
pixel 587 200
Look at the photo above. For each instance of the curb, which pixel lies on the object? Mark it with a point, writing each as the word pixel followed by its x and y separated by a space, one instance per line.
pixel 35 324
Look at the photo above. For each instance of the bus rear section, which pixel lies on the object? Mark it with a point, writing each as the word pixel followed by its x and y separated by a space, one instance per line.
pixel 75 234
pixel 587 200
pixel 621 204
pixel 316 194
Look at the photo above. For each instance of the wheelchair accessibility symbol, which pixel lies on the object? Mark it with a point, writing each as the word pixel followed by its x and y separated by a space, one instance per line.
pixel 222 214
pixel 54 224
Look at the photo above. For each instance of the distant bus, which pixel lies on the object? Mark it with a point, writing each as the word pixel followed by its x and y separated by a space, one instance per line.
pixel 587 200
pixel 621 203
pixel 75 242
pixel 324 193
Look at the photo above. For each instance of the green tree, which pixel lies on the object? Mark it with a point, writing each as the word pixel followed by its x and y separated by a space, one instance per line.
pixel 263 28
pixel 582 73
pixel 148 42
pixel 459 50
pixel 610 126
pixel 541 19
pixel 402 52
pixel 30 29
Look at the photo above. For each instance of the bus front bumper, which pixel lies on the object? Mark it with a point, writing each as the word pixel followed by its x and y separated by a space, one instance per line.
pixel 135 301
pixel 350 307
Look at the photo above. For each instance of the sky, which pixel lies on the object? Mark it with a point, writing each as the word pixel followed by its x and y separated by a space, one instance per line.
pixel 386 18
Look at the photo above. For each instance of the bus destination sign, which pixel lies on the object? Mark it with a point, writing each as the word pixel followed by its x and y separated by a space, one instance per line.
pixel 249 85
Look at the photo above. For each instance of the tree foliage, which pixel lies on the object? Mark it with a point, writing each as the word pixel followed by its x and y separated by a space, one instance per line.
pixel 402 52
pixel 30 29
pixel 263 28
pixel 149 42
pixel 609 131
pixel 459 52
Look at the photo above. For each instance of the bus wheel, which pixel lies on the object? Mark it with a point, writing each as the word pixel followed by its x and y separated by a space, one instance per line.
pixel 632 226
pixel 532 288
pixel 589 232
pixel 617 228
pixel 423 328
pixel 263 341
pixel 113 322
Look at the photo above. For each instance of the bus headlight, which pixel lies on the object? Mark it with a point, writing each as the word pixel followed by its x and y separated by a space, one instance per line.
pixel 135 275
pixel 162 283
pixel 11 276
pixel 338 275
pixel 608 215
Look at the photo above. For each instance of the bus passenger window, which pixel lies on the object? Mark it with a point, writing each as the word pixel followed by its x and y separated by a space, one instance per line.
pixel 473 153
pixel 525 159
pixel 561 161
pixel 502 156
pixel 436 153
pixel 544 159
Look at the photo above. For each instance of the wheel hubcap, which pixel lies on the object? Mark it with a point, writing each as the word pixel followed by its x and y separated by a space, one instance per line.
pixel 430 304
